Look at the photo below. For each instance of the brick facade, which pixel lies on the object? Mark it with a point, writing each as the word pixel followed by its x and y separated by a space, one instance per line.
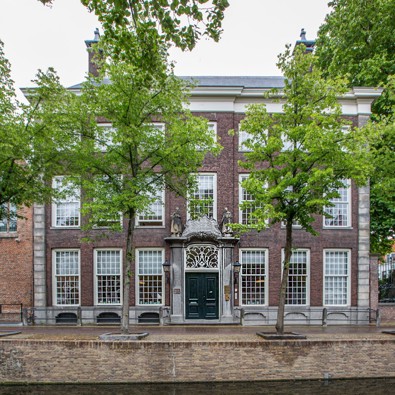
pixel 221 100
pixel 16 257
pixel 273 239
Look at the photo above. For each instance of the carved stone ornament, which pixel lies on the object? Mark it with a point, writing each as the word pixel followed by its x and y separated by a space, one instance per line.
pixel 203 228
pixel 201 256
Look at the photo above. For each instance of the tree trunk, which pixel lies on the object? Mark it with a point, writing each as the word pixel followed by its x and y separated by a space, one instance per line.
pixel 127 272
pixel 284 281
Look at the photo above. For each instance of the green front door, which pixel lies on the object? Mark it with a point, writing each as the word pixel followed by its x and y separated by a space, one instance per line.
pixel 201 295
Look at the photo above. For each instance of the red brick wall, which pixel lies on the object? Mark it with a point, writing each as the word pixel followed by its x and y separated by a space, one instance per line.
pixel 16 263
pixel 41 361
pixel 227 170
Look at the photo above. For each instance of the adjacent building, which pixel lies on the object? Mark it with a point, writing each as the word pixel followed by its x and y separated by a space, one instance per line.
pixel 16 263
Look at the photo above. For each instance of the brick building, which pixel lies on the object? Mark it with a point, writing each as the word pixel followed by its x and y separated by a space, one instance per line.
pixel 16 269
pixel 201 273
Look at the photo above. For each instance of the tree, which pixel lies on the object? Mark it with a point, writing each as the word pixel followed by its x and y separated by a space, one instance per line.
pixel 30 139
pixel 357 41
pixel 178 22
pixel 152 145
pixel 299 158
pixel 383 186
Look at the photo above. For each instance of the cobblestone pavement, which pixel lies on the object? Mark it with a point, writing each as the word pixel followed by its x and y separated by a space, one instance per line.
pixel 212 333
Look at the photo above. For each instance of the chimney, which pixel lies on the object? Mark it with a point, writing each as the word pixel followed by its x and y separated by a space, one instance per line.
pixel 93 67
pixel 309 44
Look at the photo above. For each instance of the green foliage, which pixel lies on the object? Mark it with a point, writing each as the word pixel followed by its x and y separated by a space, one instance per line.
pixel 299 158
pixel 177 22
pixel 122 174
pixel 357 41
pixel 34 138
pixel 383 188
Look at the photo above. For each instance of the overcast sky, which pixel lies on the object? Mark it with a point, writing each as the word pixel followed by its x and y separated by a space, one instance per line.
pixel 255 32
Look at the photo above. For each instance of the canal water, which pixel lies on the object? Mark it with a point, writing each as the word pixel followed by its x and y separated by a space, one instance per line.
pixel 330 387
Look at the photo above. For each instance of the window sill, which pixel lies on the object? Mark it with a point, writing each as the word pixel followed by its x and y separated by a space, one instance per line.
pixel 108 305
pixel 337 227
pixel 65 227
pixel 150 226
pixel 8 235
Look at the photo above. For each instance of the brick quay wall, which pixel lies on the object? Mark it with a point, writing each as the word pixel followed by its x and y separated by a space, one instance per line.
pixel 91 361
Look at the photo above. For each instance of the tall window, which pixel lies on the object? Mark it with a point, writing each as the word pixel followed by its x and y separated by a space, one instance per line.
pixel 245 214
pixel 243 137
pixel 154 214
pixel 336 277
pixel 203 200
pixel 340 212
pixel 253 277
pixel 150 277
pixel 8 218
pixel 108 266
pixel 66 264
pixel 297 289
pixel 212 128
pixel 106 188
pixel 66 209
pixel 105 137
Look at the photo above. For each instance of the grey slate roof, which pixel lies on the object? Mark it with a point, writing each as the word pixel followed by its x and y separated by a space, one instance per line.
pixel 228 81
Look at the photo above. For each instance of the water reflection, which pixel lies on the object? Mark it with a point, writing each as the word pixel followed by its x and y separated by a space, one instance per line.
pixel 332 387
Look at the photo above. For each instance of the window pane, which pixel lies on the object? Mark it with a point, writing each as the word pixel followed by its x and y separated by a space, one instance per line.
pixel 339 213
pixel 67 277
pixel 67 208
pixel 202 200
pixel 150 277
pixel 154 214
pixel 253 277
pixel 108 275
pixel 297 279
pixel 336 277
pixel 246 217
pixel 9 221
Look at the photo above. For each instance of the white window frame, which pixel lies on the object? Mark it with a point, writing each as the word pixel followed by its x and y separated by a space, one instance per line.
pixel 96 282
pixel 137 277
pixel 9 222
pixel 242 177
pixel 55 276
pixel 214 175
pixel 67 200
pixel 348 277
pixel 288 145
pixel 150 223
pixel 243 136
pixel 212 127
pixel 308 266
pixel 108 141
pixel 266 275
pixel 105 224
pixel 340 202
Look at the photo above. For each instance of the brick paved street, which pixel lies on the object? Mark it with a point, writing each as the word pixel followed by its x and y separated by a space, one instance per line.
pixel 182 333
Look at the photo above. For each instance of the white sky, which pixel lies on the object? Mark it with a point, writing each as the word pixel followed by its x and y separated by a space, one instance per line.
pixel 255 32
